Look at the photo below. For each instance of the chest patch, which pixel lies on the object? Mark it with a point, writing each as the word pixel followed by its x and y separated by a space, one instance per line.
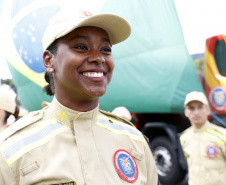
pixel 126 165
pixel 211 151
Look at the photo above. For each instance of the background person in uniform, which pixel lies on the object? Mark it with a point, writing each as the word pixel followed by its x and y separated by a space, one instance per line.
pixel 7 107
pixel 23 112
pixel 71 141
pixel 204 144
pixel 124 113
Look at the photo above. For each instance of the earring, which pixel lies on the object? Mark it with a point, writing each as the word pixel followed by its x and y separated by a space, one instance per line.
pixel 50 70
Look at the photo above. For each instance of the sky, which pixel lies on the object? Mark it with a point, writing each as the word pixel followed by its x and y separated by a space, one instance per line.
pixel 199 19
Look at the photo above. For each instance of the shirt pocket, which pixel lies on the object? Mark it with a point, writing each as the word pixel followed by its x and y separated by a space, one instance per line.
pixel 213 156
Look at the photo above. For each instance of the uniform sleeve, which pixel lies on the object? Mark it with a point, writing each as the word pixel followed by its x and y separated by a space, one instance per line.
pixel 6 175
pixel 152 176
pixel 182 142
pixel 224 151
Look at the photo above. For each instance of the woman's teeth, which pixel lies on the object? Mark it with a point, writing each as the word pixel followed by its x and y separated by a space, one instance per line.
pixel 93 74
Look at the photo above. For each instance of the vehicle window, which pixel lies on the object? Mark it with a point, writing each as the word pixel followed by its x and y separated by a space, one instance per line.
pixel 220 56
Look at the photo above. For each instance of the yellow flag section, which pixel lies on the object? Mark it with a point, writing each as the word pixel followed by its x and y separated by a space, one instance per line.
pixel 215 73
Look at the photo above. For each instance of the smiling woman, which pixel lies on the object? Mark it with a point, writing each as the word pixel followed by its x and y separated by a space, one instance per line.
pixel 82 144
pixel 80 55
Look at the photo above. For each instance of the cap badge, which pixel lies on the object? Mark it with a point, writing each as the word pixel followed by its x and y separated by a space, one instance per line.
pixel 83 14
pixel 211 151
pixel 125 165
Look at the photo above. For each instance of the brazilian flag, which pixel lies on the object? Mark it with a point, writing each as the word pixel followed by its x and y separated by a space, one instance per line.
pixel 153 72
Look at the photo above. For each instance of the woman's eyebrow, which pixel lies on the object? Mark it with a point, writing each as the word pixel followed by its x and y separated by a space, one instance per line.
pixel 106 40
pixel 87 38
pixel 79 37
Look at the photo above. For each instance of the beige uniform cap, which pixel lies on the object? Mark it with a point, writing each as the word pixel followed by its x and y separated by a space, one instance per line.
pixel 122 112
pixel 7 102
pixel 196 96
pixel 118 29
pixel 23 112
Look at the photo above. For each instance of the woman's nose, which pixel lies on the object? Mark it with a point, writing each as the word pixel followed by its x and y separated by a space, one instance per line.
pixel 97 58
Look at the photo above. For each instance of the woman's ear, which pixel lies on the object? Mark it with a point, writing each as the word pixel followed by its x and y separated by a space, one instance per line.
pixel 48 61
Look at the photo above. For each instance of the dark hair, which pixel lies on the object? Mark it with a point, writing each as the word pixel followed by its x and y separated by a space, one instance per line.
pixel 50 88
pixel 16 114
pixel 17 111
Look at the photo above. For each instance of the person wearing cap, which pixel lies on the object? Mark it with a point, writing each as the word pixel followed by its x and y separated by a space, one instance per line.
pixel 72 141
pixel 7 107
pixel 124 113
pixel 204 144
pixel 23 112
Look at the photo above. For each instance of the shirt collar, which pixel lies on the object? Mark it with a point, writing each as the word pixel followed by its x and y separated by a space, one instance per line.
pixel 65 115
pixel 202 128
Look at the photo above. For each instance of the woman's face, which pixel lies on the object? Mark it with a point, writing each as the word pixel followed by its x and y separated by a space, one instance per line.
pixel 83 65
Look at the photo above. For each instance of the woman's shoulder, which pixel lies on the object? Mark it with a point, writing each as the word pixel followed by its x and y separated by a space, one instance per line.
pixel 119 125
pixel 112 116
pixel 21 124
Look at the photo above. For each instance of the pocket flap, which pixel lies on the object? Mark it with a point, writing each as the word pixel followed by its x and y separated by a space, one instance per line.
pixel 136 154
pixel 29 168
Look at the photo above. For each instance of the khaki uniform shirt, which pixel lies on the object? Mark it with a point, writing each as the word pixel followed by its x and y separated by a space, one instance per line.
pixel 63 146
pixel 205 151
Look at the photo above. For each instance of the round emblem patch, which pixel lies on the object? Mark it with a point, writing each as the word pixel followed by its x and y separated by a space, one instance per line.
pixel 125 165
pixel 218 97
pixel 211 151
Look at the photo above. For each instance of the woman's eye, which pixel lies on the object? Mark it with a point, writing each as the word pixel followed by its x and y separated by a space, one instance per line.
pixel 81 47
pixel 107 50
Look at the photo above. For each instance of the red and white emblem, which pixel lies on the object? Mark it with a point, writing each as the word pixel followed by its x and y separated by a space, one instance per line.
pixel 211 151
pixel 126 165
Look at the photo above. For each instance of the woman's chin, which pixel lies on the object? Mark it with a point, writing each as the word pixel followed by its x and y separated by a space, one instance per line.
pixel 97 93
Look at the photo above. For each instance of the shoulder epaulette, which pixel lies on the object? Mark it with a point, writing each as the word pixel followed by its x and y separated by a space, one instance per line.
pixel 108 114
pixel 117 117
pixel 221 130
pixel 21 123
pixel 217 133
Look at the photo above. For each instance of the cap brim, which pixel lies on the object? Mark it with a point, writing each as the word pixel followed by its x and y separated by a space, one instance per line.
pixel 194 99
pixel 117 28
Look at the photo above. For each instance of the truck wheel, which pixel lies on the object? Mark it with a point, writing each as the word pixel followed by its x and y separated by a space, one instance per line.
pixel 167 163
